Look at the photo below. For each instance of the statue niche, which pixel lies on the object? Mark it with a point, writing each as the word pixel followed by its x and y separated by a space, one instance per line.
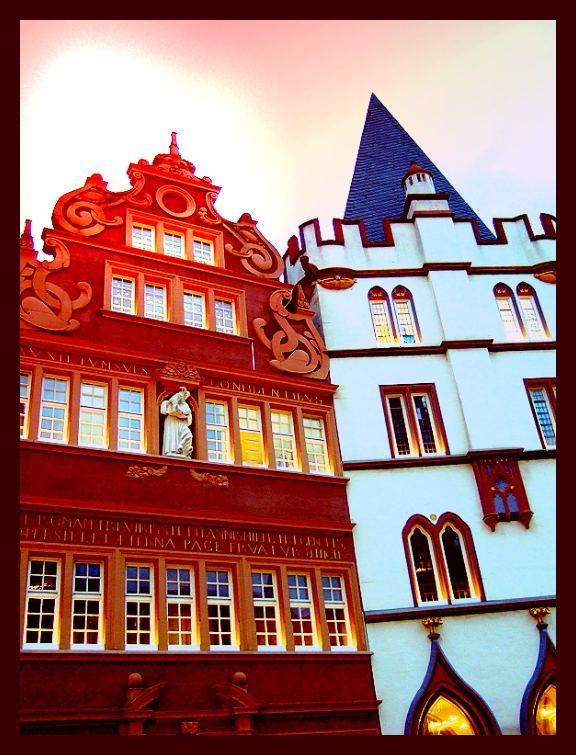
pixel 177 434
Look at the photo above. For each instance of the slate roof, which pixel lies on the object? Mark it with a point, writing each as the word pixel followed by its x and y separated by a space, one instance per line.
pixel 386 150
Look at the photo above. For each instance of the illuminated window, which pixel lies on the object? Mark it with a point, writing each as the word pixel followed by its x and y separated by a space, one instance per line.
pixel 174 244
pixel 139 607
pixel 445 717
pixel 265 609
pixel 441 560
pixel 508 312
pixel 542 394
pixel 381 315
pixel 413 420
pixel 336 611
pixel 54 409
pixel 408 331
pixel 217 431
pixel 25 379
pixel 194 310
pixel 225 316
pixel 251 435
pixel 92 425
pixel 42 604
pixel 283 437
pixel 143 237
pixel 545 717
pixel 155 301
pixel 220 610
pixel 123 295
pixel 181 608
pixel 87 605
pixel 130 419
pixel 301 612
pixel 316 449
pixel 203 251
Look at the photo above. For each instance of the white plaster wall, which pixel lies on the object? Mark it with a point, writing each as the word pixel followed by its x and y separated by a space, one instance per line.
pixel 495 654
pixel 458 305
pixel 358 404
pixel 514 562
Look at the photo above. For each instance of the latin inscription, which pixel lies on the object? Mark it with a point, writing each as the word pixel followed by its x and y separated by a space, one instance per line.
pixel 187 538
pixel 261 390
pixel 80 360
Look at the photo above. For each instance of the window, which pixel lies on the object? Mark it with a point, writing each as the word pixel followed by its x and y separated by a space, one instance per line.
pixel 336 611
pixel 123 295
pixel 42 604
pixel 408 331
pixel 143 237
pixel 87 605
pixel 217 431
pixel 501 490
pixel 441 560
pixel 301 612
pixel 130 419
pixel 284 441
pixel 381 315
pixel 93 403
pixel 155 301
pixel 413 420
pixel 542 394
pixel 220 610
pixel 174 244
pixel 316 449
pixel 181 609
pixel 225 316
pixel 251 435
pixel 139 607
pixel 203 251
pixel 25 379
pixel 194 310
pixel 265 609
pixel 545 718
pixel 54 409
pixel 445 717
pixel 522 318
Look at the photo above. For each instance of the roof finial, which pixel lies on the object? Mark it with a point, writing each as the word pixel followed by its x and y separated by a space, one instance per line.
pixel 26 239
pixel 174 146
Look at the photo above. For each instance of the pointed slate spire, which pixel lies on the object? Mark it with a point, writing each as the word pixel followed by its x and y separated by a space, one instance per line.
pixel 376 192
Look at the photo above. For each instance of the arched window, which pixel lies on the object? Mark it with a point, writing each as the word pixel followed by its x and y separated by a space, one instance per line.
pixel 441 560
pixel 445 717
pixel 545 714
pixel 538 708
pixel 508 312
pixel 381 315
pixel 534 323
pixel 408 330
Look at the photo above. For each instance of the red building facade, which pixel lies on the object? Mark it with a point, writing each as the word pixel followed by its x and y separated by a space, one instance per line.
pixel 184 570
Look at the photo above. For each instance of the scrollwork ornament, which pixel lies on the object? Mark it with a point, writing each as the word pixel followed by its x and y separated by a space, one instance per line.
pixel 208 214
pixel 44 304
pixel 137 471
pixel 300 353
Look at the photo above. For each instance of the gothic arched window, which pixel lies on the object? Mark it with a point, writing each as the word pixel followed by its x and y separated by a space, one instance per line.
pixel 381 315
pixel 408 330
pixel 508 312
pixel 534 323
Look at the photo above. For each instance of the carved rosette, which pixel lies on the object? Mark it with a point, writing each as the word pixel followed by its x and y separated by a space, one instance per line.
pixel 182 372
pixel 44 304
pixel 301 353
pixel 336 282
pixel 84 211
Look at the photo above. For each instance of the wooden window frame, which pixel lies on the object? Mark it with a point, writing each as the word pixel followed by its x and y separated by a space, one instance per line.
pixel 25 404
pixel 88 596
pixel 141 599
pixel 46 403
pixel 433 531
pixel 103 412
pixel 267 603
pixel 229 601
pixel 548 386
pixel 299 603
pixel 343 605
pixel 55 595
pixel 190 601
pixel 407 392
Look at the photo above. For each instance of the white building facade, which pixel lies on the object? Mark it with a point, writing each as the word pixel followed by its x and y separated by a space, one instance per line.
pixel 443 348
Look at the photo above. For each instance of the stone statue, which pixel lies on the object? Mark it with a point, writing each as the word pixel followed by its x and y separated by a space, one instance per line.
pixel 177 434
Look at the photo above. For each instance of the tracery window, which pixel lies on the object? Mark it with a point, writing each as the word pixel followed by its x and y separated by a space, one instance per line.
pixel 521 315
pixel 394 321
pixel 441 560
pixel 501 490
pixel 381 315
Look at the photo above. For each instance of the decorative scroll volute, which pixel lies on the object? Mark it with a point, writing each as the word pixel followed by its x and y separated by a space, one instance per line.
pixel 84 211
pixel 44 304
pixel 301 353
pixel 258 256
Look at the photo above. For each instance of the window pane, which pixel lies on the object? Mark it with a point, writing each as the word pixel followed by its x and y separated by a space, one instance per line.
pixel 203 251
pixel 315 444
pixel 532 321
pixel 174 244
pixel 251 435
pixel 382 329
pixel 155 301
pixel 509 320
pixel 284 442
pixel 544 415
pixel 406 324
pixel 54 409
pixel 425 427
pixel 399 427
pixel 225 319
pixel 217 431
pixel 445 717
pixel 455 563
pixel 423 566
pixel 123 295
pixel 143 237
pixel 194 310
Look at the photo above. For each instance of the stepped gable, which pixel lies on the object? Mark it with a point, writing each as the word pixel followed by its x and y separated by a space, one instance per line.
pixel 376 189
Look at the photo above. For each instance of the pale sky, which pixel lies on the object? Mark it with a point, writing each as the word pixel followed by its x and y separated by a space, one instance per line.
pixel 273 111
